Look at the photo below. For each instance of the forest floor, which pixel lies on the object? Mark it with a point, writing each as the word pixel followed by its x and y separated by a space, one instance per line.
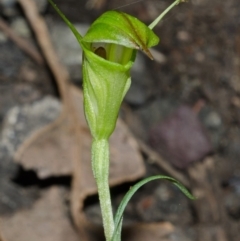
pixel 181 115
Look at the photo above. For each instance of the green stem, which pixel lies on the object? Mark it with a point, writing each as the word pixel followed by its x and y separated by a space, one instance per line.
pixel 70 25
pixel 159 18
pixel 100 166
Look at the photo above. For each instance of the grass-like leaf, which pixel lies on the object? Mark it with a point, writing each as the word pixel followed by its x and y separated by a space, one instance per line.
pixel 129 194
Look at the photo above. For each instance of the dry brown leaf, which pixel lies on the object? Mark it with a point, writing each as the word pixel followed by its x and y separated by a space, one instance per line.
pixel 48 150
pixel 51 150
pixel 46 220
pixel 55 150
pixel 126 165
pixel 1 239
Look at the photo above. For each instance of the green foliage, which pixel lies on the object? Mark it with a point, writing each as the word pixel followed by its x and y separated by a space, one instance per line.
pixel 119 214
pixel 109 51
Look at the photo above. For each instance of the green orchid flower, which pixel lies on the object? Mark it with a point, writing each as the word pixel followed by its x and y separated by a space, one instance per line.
pixel 108 58
pixel 109 51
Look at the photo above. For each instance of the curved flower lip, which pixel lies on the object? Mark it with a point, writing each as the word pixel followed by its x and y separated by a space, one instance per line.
pixel 121 29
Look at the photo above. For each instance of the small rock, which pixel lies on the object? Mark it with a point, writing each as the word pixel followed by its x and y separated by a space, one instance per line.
pixel 232 205
pixel 3 38
pixel 7 2
pixel 67 47
pixel 181 138
pixel 136 95
pixel 234 183
pixel 20 122
pixel 183 36
pixel 236 101
pixel 212 121
pixel 200 57
pixel 8 8
pixel 235 83
pixel 141 84
pixel 20 26
pixel 11 59
pixel 153 113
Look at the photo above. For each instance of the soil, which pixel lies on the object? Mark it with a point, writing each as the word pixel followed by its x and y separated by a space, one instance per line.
pixel 200 47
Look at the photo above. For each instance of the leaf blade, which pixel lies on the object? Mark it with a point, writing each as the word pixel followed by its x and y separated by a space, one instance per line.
pixel 131 192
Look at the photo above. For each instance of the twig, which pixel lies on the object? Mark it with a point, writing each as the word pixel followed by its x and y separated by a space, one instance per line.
pixel 23 44
pixel 41 32
pixel 156 158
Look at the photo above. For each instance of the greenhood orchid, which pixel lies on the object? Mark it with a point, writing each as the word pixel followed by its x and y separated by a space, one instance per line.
pixel 109 51
pixel 107 60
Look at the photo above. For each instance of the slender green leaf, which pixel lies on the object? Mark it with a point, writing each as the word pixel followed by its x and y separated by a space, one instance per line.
pixel 129 194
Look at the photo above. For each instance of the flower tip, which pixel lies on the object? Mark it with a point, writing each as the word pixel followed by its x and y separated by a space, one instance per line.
pixel 148 53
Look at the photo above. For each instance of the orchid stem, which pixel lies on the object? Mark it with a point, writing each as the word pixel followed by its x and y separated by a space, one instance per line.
pixel 100 166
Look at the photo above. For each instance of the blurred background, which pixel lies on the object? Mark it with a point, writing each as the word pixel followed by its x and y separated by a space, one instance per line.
pixel 182 111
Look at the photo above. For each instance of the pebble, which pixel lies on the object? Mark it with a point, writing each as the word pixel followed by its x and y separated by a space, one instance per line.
pixel 67 47
pixel 183 36
pixel 235 83
pixel 212 121
pixel 11 59
pixel 18 124
pixel 181 138
pixel 140 89
pixel 3 37
pixel 232 205
pixel 20 26
pixel 153 113
pixel 8 8
pixel 21 121
pixel 7 2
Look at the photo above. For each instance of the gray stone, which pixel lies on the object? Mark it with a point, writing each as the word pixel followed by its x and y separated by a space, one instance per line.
pixel 156 111
pixel 232 205
pixel 18 124
pixel 141 87
pixel 11 59
pixel 8 8
pixel 67 47
pixel 20 26
pixel 3 37
pixel 21 121
pixel 7 2
pixel 213 123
